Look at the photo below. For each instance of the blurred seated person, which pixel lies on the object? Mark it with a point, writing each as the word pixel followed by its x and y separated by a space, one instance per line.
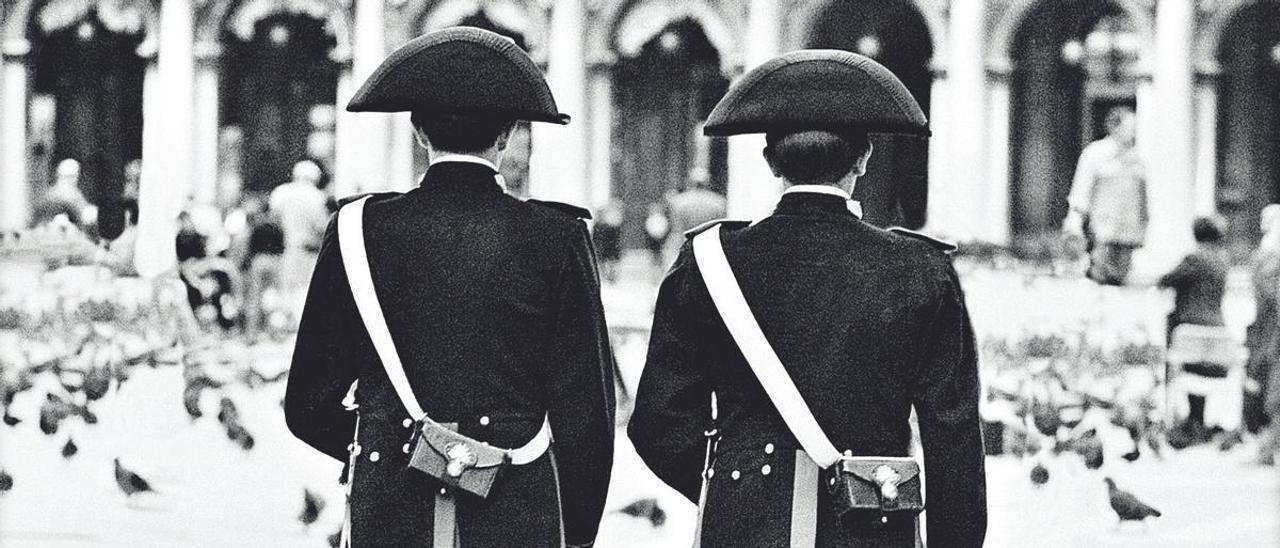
pixel 63 198
pixel 208 283
pixel 1199 282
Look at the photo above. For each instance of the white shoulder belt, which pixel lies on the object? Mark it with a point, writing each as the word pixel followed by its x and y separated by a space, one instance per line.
pixel 356 263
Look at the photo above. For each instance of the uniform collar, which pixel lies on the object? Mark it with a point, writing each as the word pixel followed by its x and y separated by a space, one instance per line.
pixel 464 159
pixel 799 199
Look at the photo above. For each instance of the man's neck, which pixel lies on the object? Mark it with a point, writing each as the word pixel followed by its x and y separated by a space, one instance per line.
pixel 491 155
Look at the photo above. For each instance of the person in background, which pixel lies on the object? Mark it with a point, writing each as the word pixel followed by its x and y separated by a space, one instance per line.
pixel 260 263
pixel 696 205
pixel 657 226
pixel 1263 336
pixel 302 211
pixel 1108 200
pixel 1199 282
pixel 606 235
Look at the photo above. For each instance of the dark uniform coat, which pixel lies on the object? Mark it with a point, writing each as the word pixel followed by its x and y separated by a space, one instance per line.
pixel 867 323
pixel 494 307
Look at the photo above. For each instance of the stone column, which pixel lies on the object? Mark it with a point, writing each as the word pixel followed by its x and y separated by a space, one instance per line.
pixel 1169 147
pixel 15 191
pixel 601 135
pixel 1206 120
pixel 974 203
pixel 753 190
pixel 558 163
pixel 167 146
pixel 362 138
pixel 997 180
pixel 205 125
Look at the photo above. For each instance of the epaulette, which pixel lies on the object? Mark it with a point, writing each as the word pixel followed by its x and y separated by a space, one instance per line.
pixel 568 209
pixel 726 223
pixel 348 199
pixel 946 247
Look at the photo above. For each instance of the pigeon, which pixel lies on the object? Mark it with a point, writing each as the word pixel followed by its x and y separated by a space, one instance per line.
pixel 311 507
pixel 241 436
pixel 1127 506
pixel 648 509
pixel 1132 455
pixel 1039 474
pixel 69 449
pixel 130 482
pixel 52 412
pixel 96 383
pixel 10 420
pixel 335 539
pixel 228 413
pixel 6 481
pixel 191 394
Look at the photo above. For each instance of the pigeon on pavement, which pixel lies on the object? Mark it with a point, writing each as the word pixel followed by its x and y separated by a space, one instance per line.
pixel 6 481
pixel 647 509
pixel 1039 475
pixel 1127 506
pixel 311 507
pixel 130 482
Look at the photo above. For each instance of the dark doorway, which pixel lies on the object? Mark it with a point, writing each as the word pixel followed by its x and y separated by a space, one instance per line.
pixel 270 86
pixel 661 98
pixel 1073 61
pixel 895 189
pixel 95 77
pixel 1249 122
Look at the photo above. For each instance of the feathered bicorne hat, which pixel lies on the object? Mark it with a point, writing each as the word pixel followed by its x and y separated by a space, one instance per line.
pixel 464 70
pixel 818 89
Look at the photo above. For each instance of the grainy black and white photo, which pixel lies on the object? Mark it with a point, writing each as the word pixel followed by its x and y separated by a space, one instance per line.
pixel 640 273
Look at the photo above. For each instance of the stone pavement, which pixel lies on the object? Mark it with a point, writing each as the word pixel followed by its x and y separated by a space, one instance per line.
pixel 213 494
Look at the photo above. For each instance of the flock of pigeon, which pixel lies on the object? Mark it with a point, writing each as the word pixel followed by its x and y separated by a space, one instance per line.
pixel 1044 417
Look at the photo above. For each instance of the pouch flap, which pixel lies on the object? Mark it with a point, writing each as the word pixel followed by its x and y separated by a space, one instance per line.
pixel 453 445
pixel 864 468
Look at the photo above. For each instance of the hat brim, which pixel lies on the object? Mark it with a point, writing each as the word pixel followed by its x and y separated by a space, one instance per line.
pixel 829 90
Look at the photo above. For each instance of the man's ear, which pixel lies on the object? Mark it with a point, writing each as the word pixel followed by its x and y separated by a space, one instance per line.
pixel 504 138
pixel 860 167
pixel 768 158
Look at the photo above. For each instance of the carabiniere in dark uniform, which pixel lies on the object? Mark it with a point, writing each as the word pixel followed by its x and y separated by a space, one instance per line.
pixel 493 305
pixel 867 322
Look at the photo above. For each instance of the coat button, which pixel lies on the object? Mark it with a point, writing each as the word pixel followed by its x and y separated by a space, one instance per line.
pixel 444 491
pixel 374 456
pixel 407 423
pixel 768 448
pixel 736 475
pixel 405 448
pixel 884 519
pixel 766 470
pixel 484 421
pixel 711 473
pixel 357 450
pixel 350 446
pixel 848 452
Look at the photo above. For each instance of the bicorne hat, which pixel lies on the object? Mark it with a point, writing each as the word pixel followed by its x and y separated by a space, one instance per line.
pixel 817 89
pixel 462 70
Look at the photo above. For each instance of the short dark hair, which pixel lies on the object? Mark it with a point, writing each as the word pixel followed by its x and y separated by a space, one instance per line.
pixel 1207 230
pixel 815 157
pixel 459 132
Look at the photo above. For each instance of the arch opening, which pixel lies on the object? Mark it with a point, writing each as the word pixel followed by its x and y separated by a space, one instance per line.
pixel 661 97
pixel 1248 121
pixel 1072 62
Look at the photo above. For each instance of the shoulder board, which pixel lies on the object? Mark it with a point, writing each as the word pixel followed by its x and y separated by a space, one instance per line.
pixel 348 199
pixel 726 223
pixel 946 247
pixel 572 210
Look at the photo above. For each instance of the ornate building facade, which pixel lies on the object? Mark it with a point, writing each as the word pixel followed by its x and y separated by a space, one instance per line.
pixel 219 97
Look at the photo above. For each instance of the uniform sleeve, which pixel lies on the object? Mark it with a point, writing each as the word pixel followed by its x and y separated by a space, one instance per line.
pixel 673 402
pixel 323 367
pixel 581 397
pixel 946 397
